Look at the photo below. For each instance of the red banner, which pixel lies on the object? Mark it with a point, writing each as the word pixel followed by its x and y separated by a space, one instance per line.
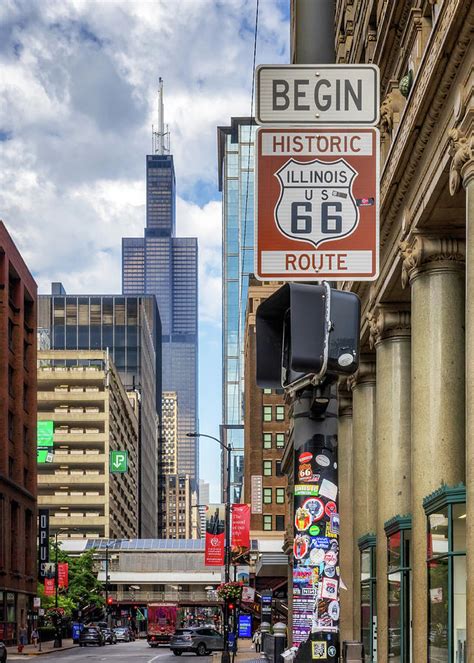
pixel 240 526
pixel 215 537
pixel 49 586
pixel 63 575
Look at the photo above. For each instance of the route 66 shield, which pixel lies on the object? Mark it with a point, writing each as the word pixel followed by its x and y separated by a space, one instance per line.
pixel 316 202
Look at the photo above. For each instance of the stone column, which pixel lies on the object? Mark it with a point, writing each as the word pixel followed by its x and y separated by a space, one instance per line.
pixel 365 477
pixel 346 511
pixel 434 267
pixel 462 171
pixel 390 333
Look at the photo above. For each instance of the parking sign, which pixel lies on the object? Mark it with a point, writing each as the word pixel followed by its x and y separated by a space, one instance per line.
pixel 316 204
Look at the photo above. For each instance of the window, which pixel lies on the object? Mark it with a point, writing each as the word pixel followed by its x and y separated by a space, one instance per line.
pixel 267 495
pixel 446 566
pixel 11 376
pixel 11 327
pixel 267 413
pixel 278 471
pixel 280 523
pixel 11 426
pixel 267 391
pixel 280 440
pixel 267 440
pixel 398 531
pixel 267 468
pixel 280 413
pixel 267 522
pixel 280 495
pixel 367 592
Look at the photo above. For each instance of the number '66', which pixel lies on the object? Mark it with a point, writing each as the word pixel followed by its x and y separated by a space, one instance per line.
pixel 302 223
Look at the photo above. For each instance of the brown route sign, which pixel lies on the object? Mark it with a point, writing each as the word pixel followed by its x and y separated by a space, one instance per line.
pixel 317 204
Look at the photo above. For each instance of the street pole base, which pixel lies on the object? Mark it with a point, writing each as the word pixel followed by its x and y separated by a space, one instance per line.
pixel 225 658
pixel 57 644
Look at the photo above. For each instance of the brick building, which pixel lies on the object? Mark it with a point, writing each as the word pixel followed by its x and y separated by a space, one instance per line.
pixel 17 438
pixel 265 428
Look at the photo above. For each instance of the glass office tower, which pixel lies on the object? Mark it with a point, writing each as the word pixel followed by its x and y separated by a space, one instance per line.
pixel 166 266
pixel 236 182
pixel 129 327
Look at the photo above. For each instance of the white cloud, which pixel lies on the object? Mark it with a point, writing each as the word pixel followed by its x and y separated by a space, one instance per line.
pixel 78 84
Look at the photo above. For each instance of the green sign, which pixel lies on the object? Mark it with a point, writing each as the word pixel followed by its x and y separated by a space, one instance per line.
pixel 140 615
pixel 45 441
pixel 118 461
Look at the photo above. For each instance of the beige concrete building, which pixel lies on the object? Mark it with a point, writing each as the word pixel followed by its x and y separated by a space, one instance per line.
pixel 406 431
pixel 170 432
pixel 81 392
pixel 182 515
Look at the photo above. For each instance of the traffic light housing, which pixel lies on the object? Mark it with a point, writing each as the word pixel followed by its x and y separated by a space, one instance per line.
pixel 305 332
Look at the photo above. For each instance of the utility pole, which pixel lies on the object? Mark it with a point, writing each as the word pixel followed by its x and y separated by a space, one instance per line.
pixel 306 337
pixel 312 32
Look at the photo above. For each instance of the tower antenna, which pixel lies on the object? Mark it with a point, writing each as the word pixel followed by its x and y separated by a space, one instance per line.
pixel 161 137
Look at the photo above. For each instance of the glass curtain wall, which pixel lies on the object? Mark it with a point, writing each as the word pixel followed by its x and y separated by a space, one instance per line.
pixel 237 247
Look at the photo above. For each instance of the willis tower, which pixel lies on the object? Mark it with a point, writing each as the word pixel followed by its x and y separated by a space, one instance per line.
pixel 167 266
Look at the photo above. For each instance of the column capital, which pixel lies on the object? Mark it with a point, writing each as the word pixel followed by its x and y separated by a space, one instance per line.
pixel 461 150
pixel 423 252
pixel 388 321
pixel 365 374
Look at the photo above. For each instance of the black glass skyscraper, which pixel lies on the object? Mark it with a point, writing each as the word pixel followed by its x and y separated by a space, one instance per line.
pixel 166 266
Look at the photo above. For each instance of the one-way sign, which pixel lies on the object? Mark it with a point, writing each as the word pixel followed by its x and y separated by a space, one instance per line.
pixel 329 95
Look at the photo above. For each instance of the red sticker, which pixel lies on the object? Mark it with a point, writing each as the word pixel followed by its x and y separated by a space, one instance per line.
pixel 305 457
pixel 330 508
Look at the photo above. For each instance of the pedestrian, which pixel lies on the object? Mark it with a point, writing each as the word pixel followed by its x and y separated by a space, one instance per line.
pixel 35 637
pixel 257 640
pixel 22 638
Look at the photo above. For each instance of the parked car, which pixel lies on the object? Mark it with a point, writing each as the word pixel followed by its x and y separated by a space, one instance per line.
pixel 196 639
pixel 122 633
pixel 3 653
pixel 91 635
pixel 110 637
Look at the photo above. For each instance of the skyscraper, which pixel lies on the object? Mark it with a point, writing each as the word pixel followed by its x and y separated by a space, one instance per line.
pixel 166 266
pixel 236 182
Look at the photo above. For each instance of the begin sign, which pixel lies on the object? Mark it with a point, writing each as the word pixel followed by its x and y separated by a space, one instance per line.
pixel 316 204
pixel 318 94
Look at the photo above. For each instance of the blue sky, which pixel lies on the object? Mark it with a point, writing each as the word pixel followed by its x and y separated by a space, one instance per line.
pixel 79 93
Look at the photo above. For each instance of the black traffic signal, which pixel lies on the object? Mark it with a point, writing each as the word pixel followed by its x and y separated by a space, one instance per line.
pixel 305 332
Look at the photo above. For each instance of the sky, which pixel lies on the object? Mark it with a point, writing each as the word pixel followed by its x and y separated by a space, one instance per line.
pixel 78 97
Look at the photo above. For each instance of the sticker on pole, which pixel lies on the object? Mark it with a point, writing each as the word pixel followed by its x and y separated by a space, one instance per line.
pixel 316 204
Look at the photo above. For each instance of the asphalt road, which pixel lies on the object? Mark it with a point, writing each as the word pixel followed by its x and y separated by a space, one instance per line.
pixel 133 652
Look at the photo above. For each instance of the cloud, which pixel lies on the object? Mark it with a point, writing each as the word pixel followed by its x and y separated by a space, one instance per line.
pixel 78 86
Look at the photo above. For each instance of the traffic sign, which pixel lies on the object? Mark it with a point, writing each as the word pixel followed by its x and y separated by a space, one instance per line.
pixel 326 95
pixel 118 461
pixel 316 204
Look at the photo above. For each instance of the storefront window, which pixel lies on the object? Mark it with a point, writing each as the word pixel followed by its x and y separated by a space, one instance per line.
pixel 368 619
pixel 446 561
pixel 398 531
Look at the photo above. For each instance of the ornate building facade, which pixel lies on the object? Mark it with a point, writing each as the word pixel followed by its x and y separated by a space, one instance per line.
pixel 406 430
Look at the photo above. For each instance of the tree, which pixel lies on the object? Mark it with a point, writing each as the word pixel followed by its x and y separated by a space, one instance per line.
pixel 84 590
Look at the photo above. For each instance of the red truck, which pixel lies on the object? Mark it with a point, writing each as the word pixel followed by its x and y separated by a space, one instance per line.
pixel 161 623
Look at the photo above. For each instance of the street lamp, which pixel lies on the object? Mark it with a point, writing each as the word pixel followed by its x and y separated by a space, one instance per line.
pixel 228 449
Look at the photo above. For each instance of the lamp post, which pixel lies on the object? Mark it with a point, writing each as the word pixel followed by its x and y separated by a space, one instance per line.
pixel 228 449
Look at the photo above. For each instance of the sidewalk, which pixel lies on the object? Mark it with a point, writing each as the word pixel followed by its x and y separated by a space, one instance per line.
pixel 31 650
pixel 245 652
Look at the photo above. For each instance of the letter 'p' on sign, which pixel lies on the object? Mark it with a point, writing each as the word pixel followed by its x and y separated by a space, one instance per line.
pixel 316 204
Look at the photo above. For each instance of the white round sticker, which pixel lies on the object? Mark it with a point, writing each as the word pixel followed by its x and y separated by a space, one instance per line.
pixel 323 460
pixel 333 610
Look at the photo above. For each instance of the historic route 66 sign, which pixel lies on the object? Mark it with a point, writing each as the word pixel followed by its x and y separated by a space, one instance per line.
pixel 316 204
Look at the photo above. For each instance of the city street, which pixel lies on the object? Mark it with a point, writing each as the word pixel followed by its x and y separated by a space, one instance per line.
pixel 136 652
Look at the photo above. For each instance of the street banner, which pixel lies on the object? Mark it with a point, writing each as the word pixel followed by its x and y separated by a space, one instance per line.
pixel 248 594
pixel 63 575
pixel 215 535
pixel 240 527
pixel 45 441
pixel 43 541
pixel 49 587
pixel 317 204
pixel 242 574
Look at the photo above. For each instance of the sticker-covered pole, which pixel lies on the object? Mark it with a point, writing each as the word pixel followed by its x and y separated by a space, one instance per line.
pixel 316 572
